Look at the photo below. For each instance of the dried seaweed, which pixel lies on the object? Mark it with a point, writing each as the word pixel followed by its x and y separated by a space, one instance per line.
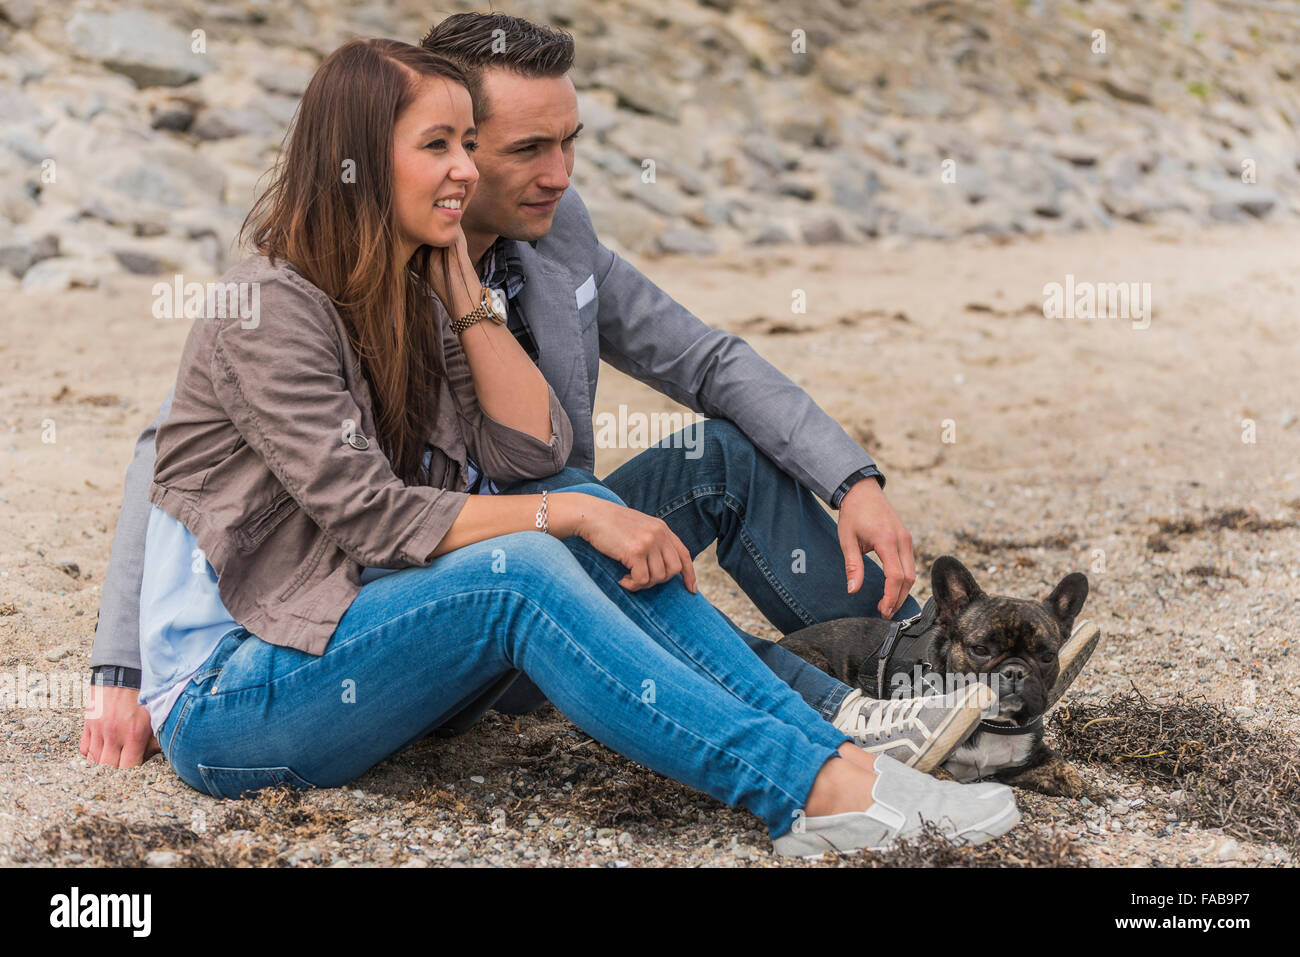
pixel 1243 780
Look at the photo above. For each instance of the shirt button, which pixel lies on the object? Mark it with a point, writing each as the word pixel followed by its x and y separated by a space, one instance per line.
pixel 358 441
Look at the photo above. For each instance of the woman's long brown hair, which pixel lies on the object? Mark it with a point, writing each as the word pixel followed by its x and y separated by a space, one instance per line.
pixel 328 212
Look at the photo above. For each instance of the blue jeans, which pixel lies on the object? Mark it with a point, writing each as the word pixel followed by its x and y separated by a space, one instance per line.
pixel 773 536
pixel 657 675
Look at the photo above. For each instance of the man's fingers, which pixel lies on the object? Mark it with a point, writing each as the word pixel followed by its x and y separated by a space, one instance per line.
pixel 893 597
pixel 853 568
pixel 909 560
pixel 110 754
pixel 133 753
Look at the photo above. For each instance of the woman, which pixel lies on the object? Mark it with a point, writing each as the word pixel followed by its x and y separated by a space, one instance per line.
pixel 321 589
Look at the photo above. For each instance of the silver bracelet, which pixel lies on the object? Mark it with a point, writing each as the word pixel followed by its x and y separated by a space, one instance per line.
pixel 541 521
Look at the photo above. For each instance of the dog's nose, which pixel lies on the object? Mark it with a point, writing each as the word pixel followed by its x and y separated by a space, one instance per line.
pixel 1014 672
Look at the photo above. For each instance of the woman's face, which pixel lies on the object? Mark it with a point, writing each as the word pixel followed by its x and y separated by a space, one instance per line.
pixel 433 174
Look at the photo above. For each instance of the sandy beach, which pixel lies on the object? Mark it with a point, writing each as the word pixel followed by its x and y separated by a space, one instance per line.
pixel 1026 446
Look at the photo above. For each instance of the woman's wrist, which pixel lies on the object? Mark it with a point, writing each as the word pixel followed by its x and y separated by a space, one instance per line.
pixel 568 513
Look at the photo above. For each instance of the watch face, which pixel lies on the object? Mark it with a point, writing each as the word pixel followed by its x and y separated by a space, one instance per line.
pixel 497 301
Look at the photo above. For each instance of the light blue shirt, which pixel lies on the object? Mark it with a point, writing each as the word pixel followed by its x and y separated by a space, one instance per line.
pixel 182 616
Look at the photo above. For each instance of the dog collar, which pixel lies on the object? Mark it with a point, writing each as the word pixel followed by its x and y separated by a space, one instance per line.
pixel 1030 728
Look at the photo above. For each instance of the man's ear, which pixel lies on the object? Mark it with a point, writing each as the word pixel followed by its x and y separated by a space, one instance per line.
pixel 953 586
pixel 1066 600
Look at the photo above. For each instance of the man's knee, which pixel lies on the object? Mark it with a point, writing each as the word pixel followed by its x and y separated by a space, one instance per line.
pixel 596 489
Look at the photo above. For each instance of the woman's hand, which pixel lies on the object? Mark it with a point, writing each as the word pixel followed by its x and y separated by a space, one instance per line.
pixel 454 278
pixel 645 545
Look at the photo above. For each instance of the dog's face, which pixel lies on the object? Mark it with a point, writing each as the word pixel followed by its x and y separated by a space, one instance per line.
pixel 1012 640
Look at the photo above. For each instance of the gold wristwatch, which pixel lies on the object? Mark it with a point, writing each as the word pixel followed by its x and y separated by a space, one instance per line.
pixel 491 306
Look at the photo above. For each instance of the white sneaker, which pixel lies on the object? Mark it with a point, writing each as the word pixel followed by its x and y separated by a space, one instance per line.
pixel 904 800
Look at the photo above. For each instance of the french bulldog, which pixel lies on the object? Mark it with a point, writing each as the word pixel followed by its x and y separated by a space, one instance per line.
pixel 964 634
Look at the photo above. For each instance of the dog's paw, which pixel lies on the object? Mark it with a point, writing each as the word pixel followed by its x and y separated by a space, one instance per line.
pixel 1053 777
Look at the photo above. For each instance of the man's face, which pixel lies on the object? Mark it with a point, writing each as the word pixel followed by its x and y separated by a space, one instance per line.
pixel 525 154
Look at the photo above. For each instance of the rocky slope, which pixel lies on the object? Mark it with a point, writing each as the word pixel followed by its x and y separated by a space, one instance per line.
pixel 123 151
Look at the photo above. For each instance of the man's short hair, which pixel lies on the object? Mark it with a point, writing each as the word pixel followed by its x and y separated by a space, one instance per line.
pixel 478 42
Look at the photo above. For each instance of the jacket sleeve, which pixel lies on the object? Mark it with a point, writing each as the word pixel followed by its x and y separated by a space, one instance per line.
pixel 646 334
pixel 117 633
pixel 505 454
pixel 282 384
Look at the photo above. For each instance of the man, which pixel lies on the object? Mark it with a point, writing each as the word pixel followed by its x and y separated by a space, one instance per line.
pixel 767 450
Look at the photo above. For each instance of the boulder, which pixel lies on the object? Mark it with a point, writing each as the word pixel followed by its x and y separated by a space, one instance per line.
pixel 139 45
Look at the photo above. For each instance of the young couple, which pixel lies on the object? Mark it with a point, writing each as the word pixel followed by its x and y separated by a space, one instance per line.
pixel 371 514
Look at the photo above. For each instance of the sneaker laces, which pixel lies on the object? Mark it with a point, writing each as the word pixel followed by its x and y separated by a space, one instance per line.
pixel 899 715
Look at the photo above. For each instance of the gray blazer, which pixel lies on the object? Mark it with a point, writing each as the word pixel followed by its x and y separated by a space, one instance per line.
pixel 582 303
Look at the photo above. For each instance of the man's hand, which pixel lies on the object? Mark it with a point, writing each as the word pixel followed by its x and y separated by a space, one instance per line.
pixel 117 730
pixel 869 523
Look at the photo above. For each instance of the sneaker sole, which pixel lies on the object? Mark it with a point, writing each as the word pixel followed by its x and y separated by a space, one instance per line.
pixel 958 727
pixel 1074 655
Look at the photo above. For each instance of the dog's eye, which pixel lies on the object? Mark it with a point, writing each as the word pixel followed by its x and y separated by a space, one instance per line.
pixel 1047 657
pixel 981 650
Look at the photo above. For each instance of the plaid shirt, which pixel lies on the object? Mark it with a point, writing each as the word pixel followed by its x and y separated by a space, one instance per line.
pixel 502 269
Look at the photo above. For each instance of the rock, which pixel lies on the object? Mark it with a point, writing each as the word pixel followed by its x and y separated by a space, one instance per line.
pixel 286 80
pixel 301 855
pixel 597 111
pixel 21 13
pixel 142 46
pixel 166 174
pixel 59 653
pixel 138 263
pixel 1128 92
pixel 642 92
pixel 21 256
pixel 219 123
pixel 1227 850
pixel 1236 202
pixel 771 154
pixel 686 240
pixel 162 859
pixel 174 114
pixel 17 109
pixel 821 231
pixel 769 234
pixel 66 272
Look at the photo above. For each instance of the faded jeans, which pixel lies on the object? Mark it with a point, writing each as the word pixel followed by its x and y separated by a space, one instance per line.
pixel 657 675
pixel 773 536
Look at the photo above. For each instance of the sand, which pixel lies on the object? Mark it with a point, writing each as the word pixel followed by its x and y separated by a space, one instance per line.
pixel 1074 439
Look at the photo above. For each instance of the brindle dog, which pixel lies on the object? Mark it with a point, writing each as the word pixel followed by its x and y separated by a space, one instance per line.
pixel 1012 642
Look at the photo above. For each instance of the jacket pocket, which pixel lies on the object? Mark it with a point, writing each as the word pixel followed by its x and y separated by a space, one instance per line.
pixel 251 534
pixel 307 569
pixel 236 782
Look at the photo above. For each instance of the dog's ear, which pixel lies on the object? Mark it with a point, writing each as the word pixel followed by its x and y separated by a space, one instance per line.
pixel 953 586
pixel 1066 600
